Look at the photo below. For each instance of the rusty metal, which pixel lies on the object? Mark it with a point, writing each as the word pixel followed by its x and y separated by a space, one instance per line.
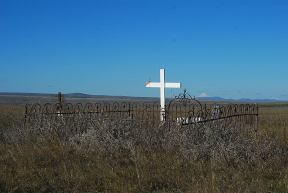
pixel 184 110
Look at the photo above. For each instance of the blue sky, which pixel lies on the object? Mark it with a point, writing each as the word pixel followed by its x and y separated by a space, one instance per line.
pixel 231 49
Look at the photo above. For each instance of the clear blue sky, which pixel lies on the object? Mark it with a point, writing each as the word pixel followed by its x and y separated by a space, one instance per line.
pixel 226 48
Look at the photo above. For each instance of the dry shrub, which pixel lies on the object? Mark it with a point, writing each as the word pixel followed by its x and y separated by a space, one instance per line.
pixel 128 156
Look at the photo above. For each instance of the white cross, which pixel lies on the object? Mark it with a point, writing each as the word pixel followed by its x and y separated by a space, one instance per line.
pixel 162 85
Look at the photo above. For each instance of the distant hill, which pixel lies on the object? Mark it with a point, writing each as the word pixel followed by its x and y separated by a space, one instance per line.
pixel 24 98
pixel 27 98
pixel 261 100
pixel 246 100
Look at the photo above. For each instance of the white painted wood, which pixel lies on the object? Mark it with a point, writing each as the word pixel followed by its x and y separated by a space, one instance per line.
pixel 188 120
pixel 162 94
pixel 152 85
pixel 162 85
pixel 172 85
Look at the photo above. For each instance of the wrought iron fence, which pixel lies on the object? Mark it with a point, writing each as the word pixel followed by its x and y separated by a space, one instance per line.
pixel 181 111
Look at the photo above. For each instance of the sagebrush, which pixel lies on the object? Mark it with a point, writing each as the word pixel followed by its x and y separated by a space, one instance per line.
pixel 121 156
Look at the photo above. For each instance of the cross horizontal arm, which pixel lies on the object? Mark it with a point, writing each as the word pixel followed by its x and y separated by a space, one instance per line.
pixel 172 85
pixel 167 85
pixel 152 85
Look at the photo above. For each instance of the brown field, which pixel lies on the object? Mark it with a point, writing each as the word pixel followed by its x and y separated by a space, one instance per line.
pixel 152 160
pixel 274 121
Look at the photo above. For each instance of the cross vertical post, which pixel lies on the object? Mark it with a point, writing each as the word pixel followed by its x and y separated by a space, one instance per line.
pixel 61 103
pixel 162 94
pixel 162 85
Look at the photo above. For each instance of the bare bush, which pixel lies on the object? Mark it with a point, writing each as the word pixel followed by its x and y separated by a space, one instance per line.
pixel 114 155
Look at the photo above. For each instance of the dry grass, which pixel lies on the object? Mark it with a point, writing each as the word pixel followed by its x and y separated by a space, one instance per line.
pixel 146 159
pixel 11 116
pixel 274 121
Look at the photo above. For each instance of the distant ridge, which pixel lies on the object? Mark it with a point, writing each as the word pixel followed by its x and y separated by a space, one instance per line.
pixel 261 100
pixel 25 94
pixel 72 95
pixel 247 100
pixel 29 98
pixel 9 95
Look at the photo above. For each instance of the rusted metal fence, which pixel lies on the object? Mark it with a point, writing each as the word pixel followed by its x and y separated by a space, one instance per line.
pixel 181 111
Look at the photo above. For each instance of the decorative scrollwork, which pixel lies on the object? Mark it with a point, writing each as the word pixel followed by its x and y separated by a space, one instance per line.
pixel 182 110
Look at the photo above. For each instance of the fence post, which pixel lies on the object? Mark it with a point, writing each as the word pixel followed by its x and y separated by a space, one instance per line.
pixel 60 99
pixel 257 117
pixel 25 116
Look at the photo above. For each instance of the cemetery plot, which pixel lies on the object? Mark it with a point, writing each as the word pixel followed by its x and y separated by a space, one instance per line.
pixel 184 110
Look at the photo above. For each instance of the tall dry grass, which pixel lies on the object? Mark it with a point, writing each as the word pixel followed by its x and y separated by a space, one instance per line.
pixel 129 157
pixel 274 121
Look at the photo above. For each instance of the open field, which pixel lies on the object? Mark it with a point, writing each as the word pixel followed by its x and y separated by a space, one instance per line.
pixel 146 159
pixel 149 96
pixel 273 120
